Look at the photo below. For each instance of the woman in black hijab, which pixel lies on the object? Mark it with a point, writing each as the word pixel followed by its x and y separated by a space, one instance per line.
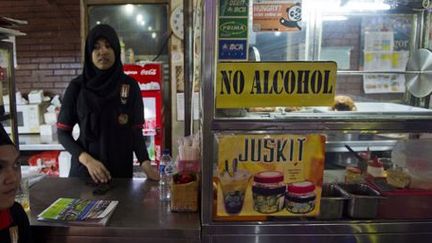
pixel 14 223
pixel 107 106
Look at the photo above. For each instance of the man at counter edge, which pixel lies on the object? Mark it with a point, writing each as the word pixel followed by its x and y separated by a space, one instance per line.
pixel 14 223
pixel 107 106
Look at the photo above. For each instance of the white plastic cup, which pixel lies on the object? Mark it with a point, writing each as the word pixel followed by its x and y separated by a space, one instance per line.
pixel 23 194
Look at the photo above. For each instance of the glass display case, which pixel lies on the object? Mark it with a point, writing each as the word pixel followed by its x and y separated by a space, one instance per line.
pixel 371 46
pixel 381 108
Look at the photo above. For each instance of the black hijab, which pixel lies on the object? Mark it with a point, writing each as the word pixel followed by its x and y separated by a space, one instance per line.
pixel 98 82
pixel 98 87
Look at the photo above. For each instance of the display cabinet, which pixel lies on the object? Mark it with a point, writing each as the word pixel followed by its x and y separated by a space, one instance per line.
pixel 381 67
pixel 8 115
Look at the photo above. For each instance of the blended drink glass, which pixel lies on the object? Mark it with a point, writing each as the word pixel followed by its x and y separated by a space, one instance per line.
pixel 234 189
pixel 23 195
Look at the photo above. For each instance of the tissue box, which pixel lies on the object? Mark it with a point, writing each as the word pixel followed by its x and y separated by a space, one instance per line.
pixel 35 96
pixel 50 117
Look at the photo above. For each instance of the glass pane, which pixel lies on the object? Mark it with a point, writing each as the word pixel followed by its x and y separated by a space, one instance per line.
pixel 142 28
pixel 371 42
pixel 280 46
pixel 368 41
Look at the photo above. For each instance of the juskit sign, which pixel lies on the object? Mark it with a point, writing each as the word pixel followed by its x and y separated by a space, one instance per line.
pixel 271 84
pixel 269 175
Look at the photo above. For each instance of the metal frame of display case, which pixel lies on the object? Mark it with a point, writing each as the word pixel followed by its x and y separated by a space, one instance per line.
pixel 295 230
pixel 11 88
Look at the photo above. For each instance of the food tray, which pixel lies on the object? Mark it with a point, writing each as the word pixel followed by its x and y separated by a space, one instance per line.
pixel 333 199
pixel 404 203
pixel 363 202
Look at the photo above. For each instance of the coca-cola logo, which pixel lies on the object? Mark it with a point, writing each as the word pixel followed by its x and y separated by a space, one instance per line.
pixel 152 72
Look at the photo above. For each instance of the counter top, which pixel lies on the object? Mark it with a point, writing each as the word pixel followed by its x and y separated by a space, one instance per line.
pixel 140 216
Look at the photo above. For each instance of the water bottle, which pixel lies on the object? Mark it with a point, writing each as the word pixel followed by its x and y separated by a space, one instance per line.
pixel 166 169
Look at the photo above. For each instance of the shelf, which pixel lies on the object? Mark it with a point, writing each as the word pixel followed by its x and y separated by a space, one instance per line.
pixel 314 125
pixel 36 142
pixel 373 145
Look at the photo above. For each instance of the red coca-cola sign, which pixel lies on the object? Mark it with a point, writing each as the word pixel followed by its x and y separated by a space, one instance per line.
pixel 146 73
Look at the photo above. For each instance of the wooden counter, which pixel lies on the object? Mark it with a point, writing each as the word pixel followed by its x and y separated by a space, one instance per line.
pixel 139 217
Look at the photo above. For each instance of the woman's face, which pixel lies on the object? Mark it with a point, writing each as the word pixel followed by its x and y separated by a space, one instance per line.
pixel 10 175
pixel 103 56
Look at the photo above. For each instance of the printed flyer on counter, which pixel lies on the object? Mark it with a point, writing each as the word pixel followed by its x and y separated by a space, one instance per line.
pixel 79 211
pixel 273 175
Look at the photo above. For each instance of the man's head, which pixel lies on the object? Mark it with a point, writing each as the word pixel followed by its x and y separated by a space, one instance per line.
pixel 10 170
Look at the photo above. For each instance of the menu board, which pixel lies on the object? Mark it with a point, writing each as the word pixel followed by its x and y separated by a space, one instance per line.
pixel 269 175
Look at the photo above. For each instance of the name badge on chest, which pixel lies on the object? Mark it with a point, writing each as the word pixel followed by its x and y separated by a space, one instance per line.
pixel 123 118
pixel 124 93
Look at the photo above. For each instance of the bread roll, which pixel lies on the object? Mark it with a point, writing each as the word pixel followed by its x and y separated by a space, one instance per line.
pixel 343 103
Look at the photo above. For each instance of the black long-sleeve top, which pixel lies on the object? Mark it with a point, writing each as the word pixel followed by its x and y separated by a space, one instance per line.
pixel 121 139
pixel 19 225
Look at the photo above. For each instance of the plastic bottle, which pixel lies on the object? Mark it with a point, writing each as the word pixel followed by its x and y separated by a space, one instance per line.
pixel 166 169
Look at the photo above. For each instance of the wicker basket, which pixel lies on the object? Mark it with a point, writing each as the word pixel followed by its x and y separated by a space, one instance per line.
pixel 184 197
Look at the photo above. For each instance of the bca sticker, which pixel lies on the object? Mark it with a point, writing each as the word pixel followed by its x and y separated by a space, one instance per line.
pixel 233 49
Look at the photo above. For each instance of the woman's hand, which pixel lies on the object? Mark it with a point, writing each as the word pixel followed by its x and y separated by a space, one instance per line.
pixel 96 169
pixel 151 172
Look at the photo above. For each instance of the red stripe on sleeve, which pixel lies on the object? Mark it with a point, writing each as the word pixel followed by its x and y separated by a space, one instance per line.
pixel 63 126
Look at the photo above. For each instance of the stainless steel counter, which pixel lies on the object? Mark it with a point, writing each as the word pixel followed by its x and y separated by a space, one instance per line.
pixel 139 217
pixel 302 231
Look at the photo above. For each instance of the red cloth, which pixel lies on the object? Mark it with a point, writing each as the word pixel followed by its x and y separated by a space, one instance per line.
pixel 5 219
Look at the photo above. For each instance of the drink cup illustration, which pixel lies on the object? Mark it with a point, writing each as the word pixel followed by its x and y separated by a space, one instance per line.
pixel 233 189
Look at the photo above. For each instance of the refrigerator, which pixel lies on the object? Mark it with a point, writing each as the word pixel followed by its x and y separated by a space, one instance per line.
pixel 150 79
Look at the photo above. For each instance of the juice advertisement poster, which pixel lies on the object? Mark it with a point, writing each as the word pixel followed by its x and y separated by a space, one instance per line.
pixel 269 175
